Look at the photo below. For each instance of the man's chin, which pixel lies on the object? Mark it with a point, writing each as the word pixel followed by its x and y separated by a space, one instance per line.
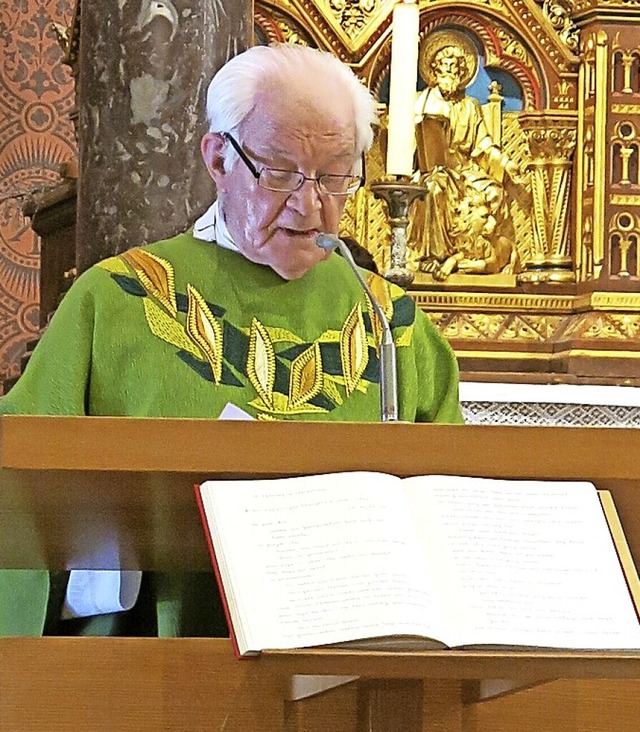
pixel 294 270
pixel 290 257
pixel 296 267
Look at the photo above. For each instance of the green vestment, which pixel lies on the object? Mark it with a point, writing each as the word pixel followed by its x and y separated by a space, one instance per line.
pixel 182 327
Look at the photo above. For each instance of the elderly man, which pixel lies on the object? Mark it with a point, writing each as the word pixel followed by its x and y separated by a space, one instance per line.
pixel 245 309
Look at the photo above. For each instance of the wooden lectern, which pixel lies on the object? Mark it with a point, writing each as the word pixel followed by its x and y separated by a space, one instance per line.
pixel 91 492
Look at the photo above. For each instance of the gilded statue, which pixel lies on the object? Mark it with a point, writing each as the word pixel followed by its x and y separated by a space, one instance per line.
pixel 464 223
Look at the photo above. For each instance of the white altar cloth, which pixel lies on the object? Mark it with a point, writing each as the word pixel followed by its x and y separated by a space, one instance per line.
pixel 563 405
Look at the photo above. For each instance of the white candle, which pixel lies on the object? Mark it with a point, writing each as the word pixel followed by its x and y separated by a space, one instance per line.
pixel 402 88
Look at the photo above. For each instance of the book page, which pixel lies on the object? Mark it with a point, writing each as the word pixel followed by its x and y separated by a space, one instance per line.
pixel 528 563
pixel 320 559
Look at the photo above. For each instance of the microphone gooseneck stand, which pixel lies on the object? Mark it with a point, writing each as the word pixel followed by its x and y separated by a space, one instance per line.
pixel 388 375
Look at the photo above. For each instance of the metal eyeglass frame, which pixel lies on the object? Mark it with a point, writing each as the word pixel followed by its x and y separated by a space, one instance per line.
pixel 257 174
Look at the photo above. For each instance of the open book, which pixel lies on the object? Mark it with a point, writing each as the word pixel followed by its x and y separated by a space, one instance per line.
pixel 423 562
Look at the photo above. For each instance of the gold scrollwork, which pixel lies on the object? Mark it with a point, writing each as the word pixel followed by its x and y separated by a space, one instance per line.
pixel 353 14
pixel 611 326
pixel 558 12
pixel 497 327
pixel 354 22
pixel 511 46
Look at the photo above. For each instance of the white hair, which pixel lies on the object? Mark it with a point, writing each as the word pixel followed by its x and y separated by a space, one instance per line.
pixel 234 89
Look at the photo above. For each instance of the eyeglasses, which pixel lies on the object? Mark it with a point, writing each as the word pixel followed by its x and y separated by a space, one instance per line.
pixel 288 181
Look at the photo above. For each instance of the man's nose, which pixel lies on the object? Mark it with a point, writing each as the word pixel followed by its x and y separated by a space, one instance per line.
pixel 307 198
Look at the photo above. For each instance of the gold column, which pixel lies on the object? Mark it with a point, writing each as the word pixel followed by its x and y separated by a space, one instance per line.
pixel 600 150
pixel 581 255
pixel 552 140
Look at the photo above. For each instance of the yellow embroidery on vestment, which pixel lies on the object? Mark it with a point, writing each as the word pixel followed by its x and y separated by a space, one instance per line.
pixel 203 333
pixel 306 378
pixel 205 330
pixel 354 353
pixel 382 293
pixel 330 389
pixel 405 338
pixel 156 276
pixel 329 336
pixel 282 335
pixel 261 362
pixel 169 330
pixel 335 336
pixel 361 386
pixel 114 265
pixel 277 335
pixel 281 406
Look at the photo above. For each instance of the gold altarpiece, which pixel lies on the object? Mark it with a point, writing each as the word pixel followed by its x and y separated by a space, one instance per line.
pixel 567 307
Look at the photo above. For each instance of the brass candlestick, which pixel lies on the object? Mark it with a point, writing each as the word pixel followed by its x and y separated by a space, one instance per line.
pixel 398 196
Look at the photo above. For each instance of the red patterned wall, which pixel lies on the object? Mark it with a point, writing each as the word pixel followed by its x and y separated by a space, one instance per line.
pixel 36 136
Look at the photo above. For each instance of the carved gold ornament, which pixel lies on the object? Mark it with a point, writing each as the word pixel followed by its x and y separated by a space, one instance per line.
pixel 573 62
pixel 353 21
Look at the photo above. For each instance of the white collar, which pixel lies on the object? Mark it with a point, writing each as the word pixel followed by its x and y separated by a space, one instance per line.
pixel 212 227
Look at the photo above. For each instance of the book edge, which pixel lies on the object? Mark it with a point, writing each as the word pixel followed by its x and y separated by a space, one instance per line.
pixel 217 574
pixel 621 545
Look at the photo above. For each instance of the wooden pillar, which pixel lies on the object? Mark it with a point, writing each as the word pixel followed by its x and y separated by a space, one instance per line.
pixel 390 705
pixel 143 73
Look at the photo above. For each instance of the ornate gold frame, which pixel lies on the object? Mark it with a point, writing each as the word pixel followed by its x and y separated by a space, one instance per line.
pixel 573 312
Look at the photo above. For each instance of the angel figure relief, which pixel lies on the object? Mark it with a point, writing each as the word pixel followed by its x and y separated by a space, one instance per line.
pixel 464 223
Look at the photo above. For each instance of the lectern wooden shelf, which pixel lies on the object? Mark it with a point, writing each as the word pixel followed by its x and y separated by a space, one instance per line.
pixel 106 492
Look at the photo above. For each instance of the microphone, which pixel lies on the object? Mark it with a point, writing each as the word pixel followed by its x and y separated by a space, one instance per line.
pixel 388 376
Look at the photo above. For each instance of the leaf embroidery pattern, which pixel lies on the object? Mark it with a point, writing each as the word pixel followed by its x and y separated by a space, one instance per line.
pixel 205 330
pixel 167 328
pixel 331 390
pixel 261 362
pixel 156 275
pixel 281 335
pixel 405 338
pixel 303 386
pixel 354 353
pixel 306 379
pixel 382 293
pixel 114 265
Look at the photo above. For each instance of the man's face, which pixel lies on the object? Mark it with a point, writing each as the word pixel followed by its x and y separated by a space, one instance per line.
pixel 448 74
pixel 280 229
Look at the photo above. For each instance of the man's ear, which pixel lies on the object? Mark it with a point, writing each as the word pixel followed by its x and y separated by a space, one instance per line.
pixel 212 148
